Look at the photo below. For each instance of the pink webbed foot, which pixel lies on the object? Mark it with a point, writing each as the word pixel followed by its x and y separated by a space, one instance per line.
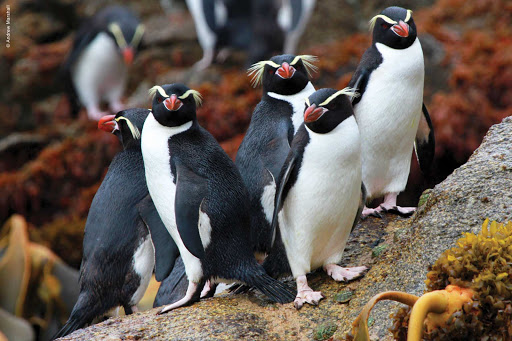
pixel 374 212
pixel 389 205
pixel 341 274
pixel 192 295
pixel 305 294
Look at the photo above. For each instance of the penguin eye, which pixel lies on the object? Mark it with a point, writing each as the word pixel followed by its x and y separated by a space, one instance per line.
pixel 159 99
pixel 271 71
pixel 385 25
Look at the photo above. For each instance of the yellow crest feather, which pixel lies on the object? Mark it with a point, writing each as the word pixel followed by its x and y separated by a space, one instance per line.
pixel 308 61
pixel 152 92
pixel 133 129
pixel 118 34
pixel 350 92
pixel 198 98
pixel 383 17
pixel 256 71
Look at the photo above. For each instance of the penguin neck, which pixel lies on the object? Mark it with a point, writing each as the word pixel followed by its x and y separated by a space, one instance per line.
pixel 297 103
pixel 157 128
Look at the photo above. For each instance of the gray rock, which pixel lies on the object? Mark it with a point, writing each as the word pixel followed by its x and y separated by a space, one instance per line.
pixel 479 189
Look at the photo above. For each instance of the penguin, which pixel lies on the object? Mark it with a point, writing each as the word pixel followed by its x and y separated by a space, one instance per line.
pixel 260 27
pixel 200 196
pixel 390 112
pixel 96 67
pixel 274 122
pixel 118 253
pixel 315 207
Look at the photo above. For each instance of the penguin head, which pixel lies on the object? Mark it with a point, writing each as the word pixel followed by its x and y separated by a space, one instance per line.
pixel 327 108
pixel 284 74
pixel 174 104
pixel 394 27
pixel 126 125
pixel 126 30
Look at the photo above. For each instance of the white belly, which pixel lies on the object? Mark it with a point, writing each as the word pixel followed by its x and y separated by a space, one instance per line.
pixel 99 72
pixel 143 264
pixel 159 178
pixel 297 103
pixel 320 208
pixel 388 116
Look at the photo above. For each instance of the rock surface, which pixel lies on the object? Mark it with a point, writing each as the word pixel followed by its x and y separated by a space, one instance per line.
pixel 398 251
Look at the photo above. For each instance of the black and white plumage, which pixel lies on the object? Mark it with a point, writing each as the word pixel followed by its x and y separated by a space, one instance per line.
pixel 390 111
pixel 261 27
pixel 96 68
pixel 200 197
pixel 320 195
pixel 118 254
pixel 266 144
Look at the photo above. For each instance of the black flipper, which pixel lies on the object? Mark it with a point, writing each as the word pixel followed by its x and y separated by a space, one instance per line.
pixel 190 192
pixel 361 206
pixel 425 144
pixel 84 311
pixel 361 80
pixel 166 250
pixel 288 166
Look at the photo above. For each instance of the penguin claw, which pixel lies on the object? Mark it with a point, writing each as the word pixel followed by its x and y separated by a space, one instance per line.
pixel 307 296
pixel 341 274
pixel 374 212
pixel 401 211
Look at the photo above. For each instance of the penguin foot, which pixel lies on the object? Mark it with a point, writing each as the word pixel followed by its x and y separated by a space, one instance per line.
pixel 305 294
pixel 341 274
pixel 374 212
pixel 192 295
pixel 208 290
pixel 401 211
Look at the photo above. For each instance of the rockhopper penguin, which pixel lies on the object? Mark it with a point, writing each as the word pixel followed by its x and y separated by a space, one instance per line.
pixel 266 144
pixel 118 254
pixel 200 196
pixel 390 112
pixel 320 195
pixel 96 68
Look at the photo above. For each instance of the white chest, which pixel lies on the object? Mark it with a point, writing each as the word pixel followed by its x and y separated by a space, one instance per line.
pixel 99 66
pixel 297 103
pixel 321 206
pixel 394 94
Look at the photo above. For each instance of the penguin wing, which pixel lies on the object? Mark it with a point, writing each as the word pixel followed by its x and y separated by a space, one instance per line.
pixel 425 144
pixel 166 250
pixel 191 189
pixel 277 150
pixel 85 34
pixel 358 82
pixel 286 171
pixel 370 60
pixel 361 206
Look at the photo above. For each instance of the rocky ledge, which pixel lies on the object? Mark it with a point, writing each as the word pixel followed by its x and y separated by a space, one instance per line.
pixel 398 252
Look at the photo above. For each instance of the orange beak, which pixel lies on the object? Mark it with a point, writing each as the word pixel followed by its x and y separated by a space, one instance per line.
pixel 285 71
pixel 128 55
pixel 401 29
pixel 173 103
pixel 313 113
pixel 107 123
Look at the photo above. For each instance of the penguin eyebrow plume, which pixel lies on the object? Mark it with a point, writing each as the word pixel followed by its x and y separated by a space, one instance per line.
pixel 383 17
pixel 118 34
pixel 198 98
pixel 308 61
pixel 256 71
pixel 133 129
pixel 307 102
pixel 152 92
pixel 137 36
pixel 408 16
pixel 350 92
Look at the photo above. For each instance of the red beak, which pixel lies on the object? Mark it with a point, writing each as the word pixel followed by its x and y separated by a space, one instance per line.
pixel 401 29
pixel 107 123
pixel 128 55
pixel 285 71
pixel 173 103
pixel 313 113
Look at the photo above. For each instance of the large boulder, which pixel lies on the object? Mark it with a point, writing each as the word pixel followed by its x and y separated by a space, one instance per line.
pixel 399 252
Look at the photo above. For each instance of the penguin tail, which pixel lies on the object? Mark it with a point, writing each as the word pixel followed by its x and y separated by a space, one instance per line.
pixel 272 288
pixel 83 313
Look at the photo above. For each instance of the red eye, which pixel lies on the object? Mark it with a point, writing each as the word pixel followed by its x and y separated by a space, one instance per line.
pixel 159 99
pixel 384 25
pixel 270 71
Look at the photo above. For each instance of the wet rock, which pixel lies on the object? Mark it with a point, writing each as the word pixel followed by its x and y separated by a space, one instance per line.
pixel 452 207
